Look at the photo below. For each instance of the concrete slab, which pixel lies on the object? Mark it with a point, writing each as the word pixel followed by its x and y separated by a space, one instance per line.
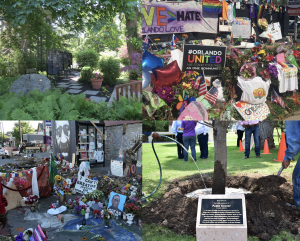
pixel 91 92
pixel 63 85
pixel 221 217
pixel 75 87
pixel 73 91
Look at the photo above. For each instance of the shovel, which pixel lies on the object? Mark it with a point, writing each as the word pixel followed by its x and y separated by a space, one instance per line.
pixel 280 170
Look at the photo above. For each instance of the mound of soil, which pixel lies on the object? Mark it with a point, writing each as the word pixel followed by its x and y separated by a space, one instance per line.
pixel 267 212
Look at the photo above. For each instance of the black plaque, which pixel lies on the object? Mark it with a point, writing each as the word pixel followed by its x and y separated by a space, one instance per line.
pixel 221 212
pixel 201 58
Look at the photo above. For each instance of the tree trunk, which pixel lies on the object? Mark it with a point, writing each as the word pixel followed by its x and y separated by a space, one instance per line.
pixel 131 30
pixel 220 145
pixel 266 129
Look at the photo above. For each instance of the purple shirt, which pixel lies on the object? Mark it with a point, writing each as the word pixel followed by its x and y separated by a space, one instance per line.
pixel 189 128
pixel 248 122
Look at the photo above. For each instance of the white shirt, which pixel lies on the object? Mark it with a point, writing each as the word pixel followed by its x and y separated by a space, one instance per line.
pixel 201 129
pixel 288 78
pixel 239 127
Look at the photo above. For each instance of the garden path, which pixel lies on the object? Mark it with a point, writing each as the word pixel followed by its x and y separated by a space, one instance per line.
pixel 71 84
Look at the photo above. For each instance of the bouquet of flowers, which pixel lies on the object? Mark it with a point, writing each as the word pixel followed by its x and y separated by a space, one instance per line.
pixel 31 199
pixel 61 187
pixel 131 208
pixel 106 214
pixel 96 213
pixel 247 71
pixel 273 70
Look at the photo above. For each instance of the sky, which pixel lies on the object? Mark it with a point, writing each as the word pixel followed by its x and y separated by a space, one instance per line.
pixel 9 125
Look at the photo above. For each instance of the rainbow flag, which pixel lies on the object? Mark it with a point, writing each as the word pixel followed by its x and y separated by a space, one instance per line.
pixel 259 11
pixel 286 64
pixel 212 6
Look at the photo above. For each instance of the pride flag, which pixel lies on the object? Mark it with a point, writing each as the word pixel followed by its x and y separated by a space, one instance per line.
pixel 212 6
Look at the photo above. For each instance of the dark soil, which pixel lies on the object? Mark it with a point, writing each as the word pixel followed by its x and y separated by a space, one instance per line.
pixel 267 212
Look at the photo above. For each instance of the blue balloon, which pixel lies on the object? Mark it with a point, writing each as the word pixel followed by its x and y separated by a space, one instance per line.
pixel 151 60
pixel 146 77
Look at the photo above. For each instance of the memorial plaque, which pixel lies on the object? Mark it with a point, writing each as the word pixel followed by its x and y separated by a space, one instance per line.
pixel 221 212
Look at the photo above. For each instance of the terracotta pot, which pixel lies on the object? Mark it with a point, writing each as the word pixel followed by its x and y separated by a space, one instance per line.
pixel 96 83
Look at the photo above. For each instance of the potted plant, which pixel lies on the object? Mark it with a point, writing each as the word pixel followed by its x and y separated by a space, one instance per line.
pixel 97 81
pixel 131 209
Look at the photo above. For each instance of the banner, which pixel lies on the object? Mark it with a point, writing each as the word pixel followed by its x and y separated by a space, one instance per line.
pixel 202 57
pixel 85 185
pixel 241 27
pixel 252 112
pixel 168 18
pixel 293 7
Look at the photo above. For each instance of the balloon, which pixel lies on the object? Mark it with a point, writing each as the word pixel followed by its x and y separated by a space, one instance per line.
pixel 151 60
pixel 168 76
pixel 291 59
pixel 163 45
pixel 289 52
pixel 146 77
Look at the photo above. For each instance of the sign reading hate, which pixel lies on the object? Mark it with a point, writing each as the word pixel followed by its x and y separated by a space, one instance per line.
pixel 201 57
pixel 85 185
pixel 166 18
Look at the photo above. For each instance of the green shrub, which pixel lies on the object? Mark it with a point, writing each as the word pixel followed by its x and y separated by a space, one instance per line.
pixel 110 68
pixel 86 74
pixel 5 83
pixel 25 60
pixel 87 57
pixel 55 105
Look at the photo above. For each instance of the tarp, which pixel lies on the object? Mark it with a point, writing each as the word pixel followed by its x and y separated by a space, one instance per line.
pixel 167 18
pixel 24 181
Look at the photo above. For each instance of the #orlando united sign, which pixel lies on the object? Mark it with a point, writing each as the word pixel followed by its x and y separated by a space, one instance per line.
pixel 200 58
pixel 169 18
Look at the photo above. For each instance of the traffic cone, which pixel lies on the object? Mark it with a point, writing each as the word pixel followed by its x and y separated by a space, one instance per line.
pixel 266 148
pixel 282 148
pixel 241 149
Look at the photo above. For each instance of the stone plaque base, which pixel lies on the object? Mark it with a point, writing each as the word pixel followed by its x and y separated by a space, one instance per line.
pixel 217 231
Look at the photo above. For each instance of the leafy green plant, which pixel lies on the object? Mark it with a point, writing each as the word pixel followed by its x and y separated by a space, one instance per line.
pixel 87 57
pixel 86 74
pixel 110 67
pixel 5 83
pixel 56 105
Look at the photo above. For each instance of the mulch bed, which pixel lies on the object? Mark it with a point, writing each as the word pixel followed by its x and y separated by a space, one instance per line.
pixel 267 212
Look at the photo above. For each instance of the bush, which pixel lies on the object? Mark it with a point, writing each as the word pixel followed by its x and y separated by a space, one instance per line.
pixel 87 57
pixel 110 67
pixel 86 74
pixel 55 105
pixel 25 60
pixel 5 83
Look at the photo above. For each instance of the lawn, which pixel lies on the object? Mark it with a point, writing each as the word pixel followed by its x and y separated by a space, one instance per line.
pixel 173 168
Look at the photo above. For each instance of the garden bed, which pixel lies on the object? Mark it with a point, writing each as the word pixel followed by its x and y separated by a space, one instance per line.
pixel 266 207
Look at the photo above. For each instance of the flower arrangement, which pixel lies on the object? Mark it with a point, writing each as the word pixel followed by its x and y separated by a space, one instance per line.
pixel 247 71
pixel 106 215
pixel 31 199
pixel 95 195
pixel 131 208
pixel 61 187
pixel 273 70
pixel 184 36
pixel 96 213
pixel 97 76
pixel 189 83
pixel 166 93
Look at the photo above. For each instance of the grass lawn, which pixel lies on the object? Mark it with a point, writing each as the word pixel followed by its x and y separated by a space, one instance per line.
pixel 173 168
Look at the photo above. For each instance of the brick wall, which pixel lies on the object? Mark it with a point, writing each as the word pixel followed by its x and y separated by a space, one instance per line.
pixel 114 140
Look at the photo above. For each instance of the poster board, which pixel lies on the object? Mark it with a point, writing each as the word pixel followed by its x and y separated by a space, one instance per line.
pixel 165 18
pixel 293 7
pixel 203 57
pixel 100 156
pixel 116 203
pixel 252 112
pixel 85 185
pixel 241 27
pixel 116 167
pixel 273 32
pixel 223 27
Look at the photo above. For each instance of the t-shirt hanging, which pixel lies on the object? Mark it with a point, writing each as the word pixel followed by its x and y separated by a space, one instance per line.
pixel 230 16
pixel 255 91
pixel 288 80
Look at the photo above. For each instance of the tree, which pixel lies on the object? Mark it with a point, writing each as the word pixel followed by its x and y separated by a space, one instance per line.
pixel 266 129
pixel 220 146
pixel 26 128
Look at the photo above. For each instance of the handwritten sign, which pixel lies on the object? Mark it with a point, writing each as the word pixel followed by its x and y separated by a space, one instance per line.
pixel 85 185
pixel 116 168
pixel 241 27
pixel 252 112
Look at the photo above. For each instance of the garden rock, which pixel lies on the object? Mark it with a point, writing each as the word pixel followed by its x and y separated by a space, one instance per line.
pixel 264 236
pixel 28 82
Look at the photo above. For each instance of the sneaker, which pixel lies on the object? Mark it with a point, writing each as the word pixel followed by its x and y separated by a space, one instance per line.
pixel 245 157
pixel 257 156
pixel 196 160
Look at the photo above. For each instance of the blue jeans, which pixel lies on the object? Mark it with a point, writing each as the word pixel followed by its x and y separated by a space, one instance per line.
pixel 189 141
pixel 203 144
pixel 248 132
pixel 293 147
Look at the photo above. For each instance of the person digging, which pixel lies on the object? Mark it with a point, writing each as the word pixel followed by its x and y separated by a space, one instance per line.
pixel 293 148
pixel 3 212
